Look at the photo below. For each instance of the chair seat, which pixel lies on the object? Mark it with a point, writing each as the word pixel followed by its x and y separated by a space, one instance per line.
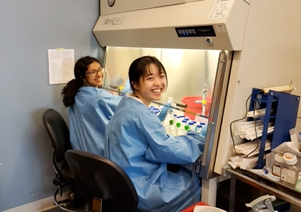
pixel 102 184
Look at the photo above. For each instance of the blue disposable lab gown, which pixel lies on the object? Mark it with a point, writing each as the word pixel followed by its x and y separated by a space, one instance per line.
pixel 136 140
pixel 88 117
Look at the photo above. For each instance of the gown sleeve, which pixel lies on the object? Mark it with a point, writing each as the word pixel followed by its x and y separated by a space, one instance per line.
pixel 166 148
pixel 107 102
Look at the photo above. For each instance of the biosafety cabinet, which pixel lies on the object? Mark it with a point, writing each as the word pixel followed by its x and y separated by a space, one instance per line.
pixel 227 46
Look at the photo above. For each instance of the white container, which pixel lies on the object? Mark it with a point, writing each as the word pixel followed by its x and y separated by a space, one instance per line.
pixel 170 100
pixel 207 209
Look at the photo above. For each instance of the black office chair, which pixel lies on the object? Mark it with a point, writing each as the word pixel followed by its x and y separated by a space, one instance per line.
pixel 58 132
pixel 102 183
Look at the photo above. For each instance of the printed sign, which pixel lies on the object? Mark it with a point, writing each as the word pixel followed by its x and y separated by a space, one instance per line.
pixel 220 9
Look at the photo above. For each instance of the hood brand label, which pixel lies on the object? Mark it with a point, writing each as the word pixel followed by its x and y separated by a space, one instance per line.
pixel 114 21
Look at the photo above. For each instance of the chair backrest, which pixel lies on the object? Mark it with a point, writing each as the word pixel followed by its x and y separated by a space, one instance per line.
pixel 98 177
pixel 58 132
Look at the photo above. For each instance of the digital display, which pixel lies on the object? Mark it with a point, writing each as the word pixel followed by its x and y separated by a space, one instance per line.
pixel 200 31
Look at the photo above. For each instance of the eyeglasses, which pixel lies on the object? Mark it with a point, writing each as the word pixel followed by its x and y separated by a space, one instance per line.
pixel 94 72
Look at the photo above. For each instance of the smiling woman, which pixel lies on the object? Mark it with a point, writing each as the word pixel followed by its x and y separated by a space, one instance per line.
pixel 90 107
pixel 136 140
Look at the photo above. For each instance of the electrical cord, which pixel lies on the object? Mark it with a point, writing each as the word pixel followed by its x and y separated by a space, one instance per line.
pixel 242 155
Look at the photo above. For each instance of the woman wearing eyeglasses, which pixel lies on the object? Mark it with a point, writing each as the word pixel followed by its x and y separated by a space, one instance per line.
pixel 90 107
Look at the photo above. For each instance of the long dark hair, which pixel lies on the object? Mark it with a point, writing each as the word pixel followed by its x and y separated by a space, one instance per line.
pixel 70 90
pixel 138 68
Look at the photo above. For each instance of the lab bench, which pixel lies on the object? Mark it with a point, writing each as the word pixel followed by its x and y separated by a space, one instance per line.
pixel 279 190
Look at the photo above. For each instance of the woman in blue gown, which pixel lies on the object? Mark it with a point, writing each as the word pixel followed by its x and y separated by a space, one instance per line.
pixel 136 140
pixel 90 107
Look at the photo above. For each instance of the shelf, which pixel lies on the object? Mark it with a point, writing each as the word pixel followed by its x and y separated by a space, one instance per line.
pixel 264 100
pixel 281 109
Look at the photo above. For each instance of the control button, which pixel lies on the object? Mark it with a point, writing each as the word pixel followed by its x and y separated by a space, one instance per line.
pixel 208 40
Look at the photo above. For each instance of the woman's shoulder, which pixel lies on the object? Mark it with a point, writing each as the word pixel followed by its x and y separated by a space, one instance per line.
pixel 132 103
pixel 87 90
pixel 135 108
pixel 96 92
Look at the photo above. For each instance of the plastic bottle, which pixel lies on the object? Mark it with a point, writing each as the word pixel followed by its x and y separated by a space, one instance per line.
pixel 204 130
pixel 170 100
pixel 184 122
pixel 169 117
pixel 172 104
pixel 183 125
pixel 193 126
pixel 276 168
pixel 172 128
pixel 182 117
pixel 188 127
pixel 174 117
pixel 289 170
pixel 179 119
pixel 157 111
pixel 179 129
pixel 151 108
pixel 203 124
pixel 205 90
pixel 199 128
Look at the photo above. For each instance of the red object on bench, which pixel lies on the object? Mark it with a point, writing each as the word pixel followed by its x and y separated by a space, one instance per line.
pixel 191 208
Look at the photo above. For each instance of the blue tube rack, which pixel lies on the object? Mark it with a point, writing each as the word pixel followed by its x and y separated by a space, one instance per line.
pixel 282 110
